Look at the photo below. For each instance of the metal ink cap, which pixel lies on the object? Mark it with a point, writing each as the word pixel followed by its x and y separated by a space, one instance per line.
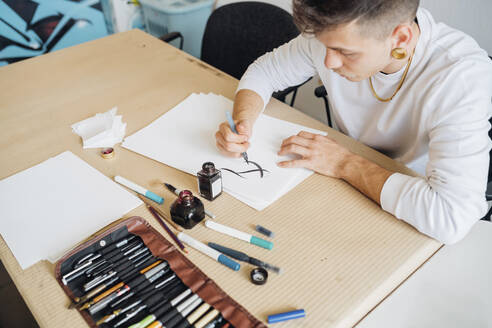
pixel 259 276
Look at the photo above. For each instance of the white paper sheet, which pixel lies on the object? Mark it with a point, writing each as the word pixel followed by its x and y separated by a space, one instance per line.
pixel 47 209
pixel 184 138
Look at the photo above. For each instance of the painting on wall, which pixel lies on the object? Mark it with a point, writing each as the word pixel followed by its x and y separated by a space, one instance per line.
pixel 30 28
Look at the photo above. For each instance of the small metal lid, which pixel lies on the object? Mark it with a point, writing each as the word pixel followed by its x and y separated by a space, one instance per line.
pixel 259 276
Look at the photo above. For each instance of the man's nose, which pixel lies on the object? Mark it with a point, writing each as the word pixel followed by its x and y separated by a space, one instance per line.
pixel 333 59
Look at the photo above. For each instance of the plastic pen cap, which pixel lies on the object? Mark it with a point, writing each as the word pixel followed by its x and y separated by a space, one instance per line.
pixel 264 231
pixel 261 242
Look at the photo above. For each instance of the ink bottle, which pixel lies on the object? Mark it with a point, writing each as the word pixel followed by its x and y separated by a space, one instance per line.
pixel 187 210
pixel 209 181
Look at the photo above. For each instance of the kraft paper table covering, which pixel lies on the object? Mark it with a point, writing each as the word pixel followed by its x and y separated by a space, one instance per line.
pixel 341 254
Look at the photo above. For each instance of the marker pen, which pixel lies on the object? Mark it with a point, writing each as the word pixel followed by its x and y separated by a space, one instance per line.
pixel 240 256
pixel 175 315
pixel 158 311
pixel 193 317
pixel 221 258
pixel 181 319
pixel 149 297
pixel 239 234
pixel 274 318
pixel 141 190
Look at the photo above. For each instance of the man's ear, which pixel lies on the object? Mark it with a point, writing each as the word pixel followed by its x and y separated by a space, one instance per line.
pixel 402 36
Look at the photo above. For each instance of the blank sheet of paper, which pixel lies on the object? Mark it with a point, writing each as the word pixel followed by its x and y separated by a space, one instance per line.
pixel 184 138
pixel 48 208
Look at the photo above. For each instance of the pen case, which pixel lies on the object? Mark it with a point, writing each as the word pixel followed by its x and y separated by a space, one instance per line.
pixel 190 275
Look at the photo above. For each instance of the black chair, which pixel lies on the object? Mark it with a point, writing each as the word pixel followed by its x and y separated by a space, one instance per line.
pixel 320 92
pixel 238 33
pixel 488 192
pixel 173 36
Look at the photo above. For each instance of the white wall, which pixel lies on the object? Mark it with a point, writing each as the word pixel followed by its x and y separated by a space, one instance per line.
pixel 473 17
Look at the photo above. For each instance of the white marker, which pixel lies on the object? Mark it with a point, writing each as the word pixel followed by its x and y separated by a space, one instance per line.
pixel 219 257
pixel 239 234
pixel 141 190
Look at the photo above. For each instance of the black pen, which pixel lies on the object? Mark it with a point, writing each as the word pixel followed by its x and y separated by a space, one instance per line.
pixel 194 316
pixel 118 244
pixel 95 259
pixel 169 286
pixel 165 308
pixel 149 298
pixel 114 289
pixel 164 284
pixel 136 283
pixel 118 261
pixel 161 307
pixel 124 270
pixel 177 191
pixel 240 256
pixel 77 302
pixel 179 313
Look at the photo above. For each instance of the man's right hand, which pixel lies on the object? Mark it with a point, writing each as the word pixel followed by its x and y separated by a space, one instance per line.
pixel 230 143
pixel 247 107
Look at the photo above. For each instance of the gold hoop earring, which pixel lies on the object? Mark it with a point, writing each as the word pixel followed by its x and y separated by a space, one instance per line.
pixel 399 53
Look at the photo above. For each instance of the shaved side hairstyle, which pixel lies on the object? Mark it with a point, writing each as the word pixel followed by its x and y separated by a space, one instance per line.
pixel 375 18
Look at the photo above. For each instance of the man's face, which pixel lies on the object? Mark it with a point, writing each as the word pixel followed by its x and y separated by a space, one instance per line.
pixel 352 55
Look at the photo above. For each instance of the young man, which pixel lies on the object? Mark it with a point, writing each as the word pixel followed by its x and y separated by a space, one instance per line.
pixel 397 81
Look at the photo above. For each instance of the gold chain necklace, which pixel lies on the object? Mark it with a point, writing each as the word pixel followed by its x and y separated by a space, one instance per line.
pixel 399 84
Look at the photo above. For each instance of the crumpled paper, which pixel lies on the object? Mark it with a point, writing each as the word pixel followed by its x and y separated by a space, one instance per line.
pixel 101 130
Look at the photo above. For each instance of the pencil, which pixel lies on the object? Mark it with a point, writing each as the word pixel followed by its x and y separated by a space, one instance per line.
pixel 169 232
pixel 174 225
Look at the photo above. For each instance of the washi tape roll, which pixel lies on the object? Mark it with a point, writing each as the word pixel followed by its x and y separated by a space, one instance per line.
pixel 107 153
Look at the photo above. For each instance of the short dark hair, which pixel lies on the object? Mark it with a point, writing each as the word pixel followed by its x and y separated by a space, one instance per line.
pixel 376 18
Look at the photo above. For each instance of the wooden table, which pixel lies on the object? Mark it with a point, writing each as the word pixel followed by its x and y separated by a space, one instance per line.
pixel 341 254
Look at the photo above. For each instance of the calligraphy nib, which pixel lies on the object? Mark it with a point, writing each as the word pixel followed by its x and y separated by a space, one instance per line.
pixel 245 156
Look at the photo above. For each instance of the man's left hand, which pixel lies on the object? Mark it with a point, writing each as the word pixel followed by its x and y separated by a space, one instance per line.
pixel 318 153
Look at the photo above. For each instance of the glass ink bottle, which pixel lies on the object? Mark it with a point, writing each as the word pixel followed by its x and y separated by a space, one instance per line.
pixel 187 210
pixel 209 181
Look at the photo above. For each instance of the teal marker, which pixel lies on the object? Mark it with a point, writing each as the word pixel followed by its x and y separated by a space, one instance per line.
pixel 141 190
pixel 239 234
